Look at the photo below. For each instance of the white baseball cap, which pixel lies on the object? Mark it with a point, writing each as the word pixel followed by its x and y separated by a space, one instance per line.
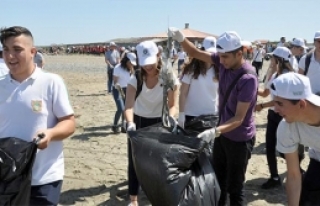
pixel 228 42
pixel 282 52
pixel 317 35
pixel 112 44
pixel 294 86
pixel 132 57
pixel 147 53
pixel 299 42
pixel 209 44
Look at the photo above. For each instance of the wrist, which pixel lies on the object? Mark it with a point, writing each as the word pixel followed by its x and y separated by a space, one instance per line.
pixel 261 105
pixel 217 132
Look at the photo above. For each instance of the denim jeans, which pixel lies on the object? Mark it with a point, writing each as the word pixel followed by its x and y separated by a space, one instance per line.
pixel 120 102
pixel 110 79
pixel 230 160
pixel 46 195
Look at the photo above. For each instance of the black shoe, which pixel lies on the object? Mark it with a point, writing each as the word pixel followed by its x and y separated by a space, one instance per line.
pixel 115 129
pixel 123 130
pixel 271 183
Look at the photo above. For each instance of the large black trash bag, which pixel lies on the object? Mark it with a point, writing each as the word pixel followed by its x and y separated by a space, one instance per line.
pixel 173 169
pixel 16 161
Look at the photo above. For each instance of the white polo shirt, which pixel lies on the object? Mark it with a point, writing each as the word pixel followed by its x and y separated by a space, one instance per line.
pixel 202 97
pixel 149 102
pixel 122 74
pixel 32 105
pixel 313 72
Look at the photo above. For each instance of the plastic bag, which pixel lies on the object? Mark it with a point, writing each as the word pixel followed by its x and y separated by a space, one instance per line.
pixel 173 169
pixel 16 161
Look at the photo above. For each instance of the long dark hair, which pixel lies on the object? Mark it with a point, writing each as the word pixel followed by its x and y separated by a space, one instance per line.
pixel 282 65
pixel 197 67
pixel 123 63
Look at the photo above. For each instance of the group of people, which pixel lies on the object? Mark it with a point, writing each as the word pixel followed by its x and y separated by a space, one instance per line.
pixel 216 81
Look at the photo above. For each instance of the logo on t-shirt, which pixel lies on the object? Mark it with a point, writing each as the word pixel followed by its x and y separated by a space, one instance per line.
pixel 36 105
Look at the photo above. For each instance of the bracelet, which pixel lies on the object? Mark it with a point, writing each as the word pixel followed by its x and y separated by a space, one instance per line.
pixel 261 105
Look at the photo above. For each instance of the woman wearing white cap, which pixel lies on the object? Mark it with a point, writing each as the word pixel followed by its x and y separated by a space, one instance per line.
pixel 199 89
pixel 144 102
pixel 121 77
pixel 281 57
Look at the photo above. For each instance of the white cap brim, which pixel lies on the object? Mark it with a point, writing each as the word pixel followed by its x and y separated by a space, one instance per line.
pixel 148 60
pixel 211 50
pixel 314 99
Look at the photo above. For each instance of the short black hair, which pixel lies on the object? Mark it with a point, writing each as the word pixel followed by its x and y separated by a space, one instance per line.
pixel 13 31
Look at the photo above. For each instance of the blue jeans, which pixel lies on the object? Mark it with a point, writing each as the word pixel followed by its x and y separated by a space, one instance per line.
pixel 120 105
pixel 46 195
pixel 110 79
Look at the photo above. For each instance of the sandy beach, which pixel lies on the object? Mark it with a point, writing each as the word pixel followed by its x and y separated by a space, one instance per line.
pixel 96 159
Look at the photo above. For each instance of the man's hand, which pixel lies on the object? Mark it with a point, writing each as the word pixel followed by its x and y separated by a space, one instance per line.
pixel 176 34
pixel 131 126
pixel 45 138
pixel 117 86
pixel 258 108
pixel 181 119
pixel 208 135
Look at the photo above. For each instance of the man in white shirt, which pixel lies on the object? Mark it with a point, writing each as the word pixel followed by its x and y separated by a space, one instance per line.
pixel 313 71
pixel 258 55
pixel 3 67
pixel 300 108
pixel 34 102
pixel 282 41
pixel 298 48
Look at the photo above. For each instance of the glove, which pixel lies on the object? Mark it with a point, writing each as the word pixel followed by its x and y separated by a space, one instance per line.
pixel 117 86
pixel 208 135
pixel 181 119
pixel 176 34
pixel 131 126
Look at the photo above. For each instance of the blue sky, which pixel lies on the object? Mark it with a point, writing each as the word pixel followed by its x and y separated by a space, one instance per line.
pixel 84 21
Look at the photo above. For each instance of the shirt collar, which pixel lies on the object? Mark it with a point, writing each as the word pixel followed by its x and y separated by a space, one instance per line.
pixel 35 74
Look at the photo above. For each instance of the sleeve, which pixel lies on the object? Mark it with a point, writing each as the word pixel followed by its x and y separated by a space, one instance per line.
pixel 186 78
pixel 116 70
pixel 60 98
pixel 247 87
pixel 287 137
pixel 302 62
pixel 133 81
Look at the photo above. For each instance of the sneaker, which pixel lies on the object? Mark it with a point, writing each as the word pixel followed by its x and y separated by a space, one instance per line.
pixel 115 129
pixel 271 183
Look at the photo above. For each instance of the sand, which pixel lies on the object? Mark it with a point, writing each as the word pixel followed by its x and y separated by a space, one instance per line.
pixel 96 159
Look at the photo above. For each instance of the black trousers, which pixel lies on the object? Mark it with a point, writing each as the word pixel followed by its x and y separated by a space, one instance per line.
pixel 310 192
pixel 230 162
pixel 140 122
pixel 258 66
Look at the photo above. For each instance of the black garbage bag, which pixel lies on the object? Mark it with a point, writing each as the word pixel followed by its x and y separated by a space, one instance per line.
pixel 173 169
pixel 16 160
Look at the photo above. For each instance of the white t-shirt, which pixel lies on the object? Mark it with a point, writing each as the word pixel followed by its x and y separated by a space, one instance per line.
pixel 290 135
pixel 313 72
pixel 30 106
pixel 258 55
pixel 150 101
pixel 3 68
pixel 280 44
pixel 203 94
pixel 122 74
pixel 182 55
pixel 294 63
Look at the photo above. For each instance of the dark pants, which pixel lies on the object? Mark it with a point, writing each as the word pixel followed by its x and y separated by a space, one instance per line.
pixel 230 160
pixel 140 122
pixel 310 192
pixel 271 141
pixel 258 66
pixel 120 105
pixel 46 195
pixel 110 79
pixel 180 63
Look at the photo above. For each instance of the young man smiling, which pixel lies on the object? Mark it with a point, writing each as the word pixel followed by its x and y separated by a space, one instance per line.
pixel 235 135
pixel 300 108
pixel 34 102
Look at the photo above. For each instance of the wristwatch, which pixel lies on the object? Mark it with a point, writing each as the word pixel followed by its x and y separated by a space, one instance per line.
pixel 217 132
